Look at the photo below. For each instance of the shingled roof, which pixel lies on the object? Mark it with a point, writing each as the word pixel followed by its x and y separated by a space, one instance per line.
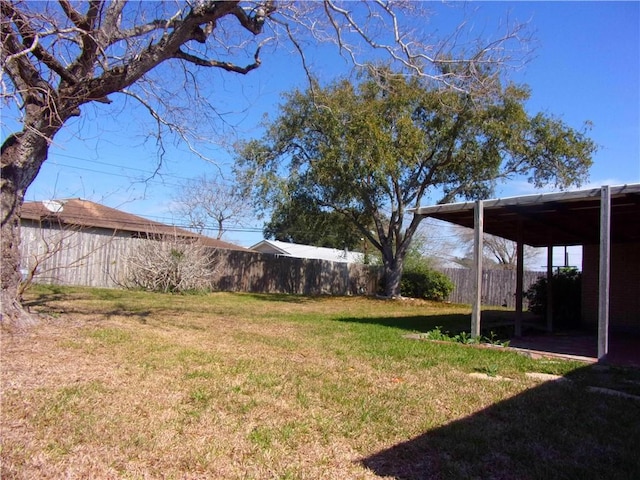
pixel 77 212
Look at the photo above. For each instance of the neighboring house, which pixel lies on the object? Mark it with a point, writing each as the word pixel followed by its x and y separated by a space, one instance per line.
pixel 296 250
pixel 604 221
pixel 79 242
pixel 88 216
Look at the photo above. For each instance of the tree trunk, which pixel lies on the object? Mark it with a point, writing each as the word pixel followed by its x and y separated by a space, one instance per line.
pixel 392 275
pixel 22 156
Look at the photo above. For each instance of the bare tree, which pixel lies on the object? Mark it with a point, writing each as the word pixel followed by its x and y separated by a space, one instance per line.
pixel 504 252
pixel 207 201
pixel 498 252
pixel 59 57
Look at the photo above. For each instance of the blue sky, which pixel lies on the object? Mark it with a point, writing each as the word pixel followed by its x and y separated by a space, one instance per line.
pixel 586 67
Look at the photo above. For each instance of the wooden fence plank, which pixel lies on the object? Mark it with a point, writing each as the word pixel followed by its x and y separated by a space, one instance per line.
pixel 499 286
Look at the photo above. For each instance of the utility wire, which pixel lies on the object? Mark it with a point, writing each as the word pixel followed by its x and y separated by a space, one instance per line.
pixel 147 173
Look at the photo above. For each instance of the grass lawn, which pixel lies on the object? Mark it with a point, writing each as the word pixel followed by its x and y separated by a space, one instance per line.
pixel 136 385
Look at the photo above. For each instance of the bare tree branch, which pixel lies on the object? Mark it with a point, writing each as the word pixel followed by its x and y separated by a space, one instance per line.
pixel 45 252
pixel 161 121
pixel 75 16
pixel 228 66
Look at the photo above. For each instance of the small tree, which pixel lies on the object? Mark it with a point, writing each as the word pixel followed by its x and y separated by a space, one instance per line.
pixel 419 280
pixel 171 265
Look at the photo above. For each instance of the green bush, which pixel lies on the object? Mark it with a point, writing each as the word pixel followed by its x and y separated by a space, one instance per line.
pixel 567 297
pixel 423 282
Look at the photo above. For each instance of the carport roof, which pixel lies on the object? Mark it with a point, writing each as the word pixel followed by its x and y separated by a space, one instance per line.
pixel 567 218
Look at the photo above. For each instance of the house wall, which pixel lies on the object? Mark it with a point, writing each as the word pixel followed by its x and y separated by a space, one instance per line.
pixel 624 299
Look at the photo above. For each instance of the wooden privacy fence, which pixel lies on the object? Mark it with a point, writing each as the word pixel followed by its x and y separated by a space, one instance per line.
pixel 498 286
pixel 256 272
pixel 97 258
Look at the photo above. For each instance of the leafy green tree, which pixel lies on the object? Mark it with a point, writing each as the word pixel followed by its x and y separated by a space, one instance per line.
pixel 371 150
pixel 424 282
pixel 299 219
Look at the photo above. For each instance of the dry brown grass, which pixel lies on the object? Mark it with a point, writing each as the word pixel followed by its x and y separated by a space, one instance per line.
pixel 135 385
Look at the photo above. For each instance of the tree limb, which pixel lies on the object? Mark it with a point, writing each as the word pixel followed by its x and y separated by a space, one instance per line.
pixel 228 66
pixel 30 40
pixel 78 20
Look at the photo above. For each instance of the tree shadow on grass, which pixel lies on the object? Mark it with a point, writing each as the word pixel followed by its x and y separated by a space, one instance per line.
pixel 417 323
pixel 498 321
pixel 140 315
pixel 559 429
pixel 283 297
pixel 43 299
pixel 45 304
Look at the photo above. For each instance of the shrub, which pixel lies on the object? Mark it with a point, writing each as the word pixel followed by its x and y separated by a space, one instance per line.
pixel 171 265
pixel 423 282
pixel 567 297
pixel 464 337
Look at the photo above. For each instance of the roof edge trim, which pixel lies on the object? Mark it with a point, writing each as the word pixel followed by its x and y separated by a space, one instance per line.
pixel 522 200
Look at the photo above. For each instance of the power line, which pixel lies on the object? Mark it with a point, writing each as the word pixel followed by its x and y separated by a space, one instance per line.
pixel 100 162
pixel 102 172
pixel 147 173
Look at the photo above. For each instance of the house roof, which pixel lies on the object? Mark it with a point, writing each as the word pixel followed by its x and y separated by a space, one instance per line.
pixel 78 212
pixel 567 218
pixel 307 251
